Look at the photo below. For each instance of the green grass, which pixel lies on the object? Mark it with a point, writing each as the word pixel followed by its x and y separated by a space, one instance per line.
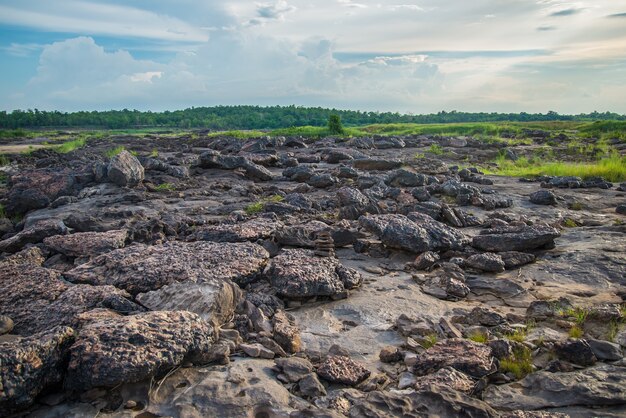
pixel 570 223
pixel 429 341
pixel 257 207
pixel 154 153
pixel 164 187
pixel 238 134
pixel 114 151
pixel 576 332
pixel 436 149
pixel 519 364
pixel 578 314
pixel 316 132
pixel 612 331
pixel 519 335
pixel 70 146
pixel 4 160
pixel 612 168
pixel 479 337
pixel 3 213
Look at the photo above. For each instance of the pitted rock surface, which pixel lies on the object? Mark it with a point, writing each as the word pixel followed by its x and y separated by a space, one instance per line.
pixel 342 369
pixel 466 356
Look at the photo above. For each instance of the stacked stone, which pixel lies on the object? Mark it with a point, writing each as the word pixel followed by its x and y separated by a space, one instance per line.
pixel 324 245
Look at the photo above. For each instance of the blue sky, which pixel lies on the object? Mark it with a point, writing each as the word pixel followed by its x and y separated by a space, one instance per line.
pixel 408 56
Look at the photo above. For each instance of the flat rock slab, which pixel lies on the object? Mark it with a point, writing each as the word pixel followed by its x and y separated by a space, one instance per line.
pixel 125 349
pixel 515 238
pixel 141 268
pixel 251 230
pixel 30 365
pixel 342 369
pixel 32 235
pixel 602 385
pixel 466 356
pixel 87 244
pixel 297 274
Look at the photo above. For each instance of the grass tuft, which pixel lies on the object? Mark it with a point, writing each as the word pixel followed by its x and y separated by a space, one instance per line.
pixel 519 364
pixel 114 151
pixel 576 332
pixel 429 341
pixel 519 336
pixel 164 187
pixel 70 146
pixel 479 337
pixel 257 207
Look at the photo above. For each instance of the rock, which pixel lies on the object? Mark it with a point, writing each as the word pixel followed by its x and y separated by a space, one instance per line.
pixel 87 244
pixel 37 299
pixel 543 197
pixel 299 174
pixel 29 255
pixel 405 178
pixel 390 354
pixel 371 164
pixel 510 154
pixel 140 268
pixel 542 309
pixel 484 316
pixel 406 380
pixel 256 350
pixel 515 238
pixel 448 283
pixel 286 333
pixel 298 274
pixel 256 172
pixel 322 181
pixel 429 402
pixel 342 369
pixel 605 350
pixel 416 233
pixel 32 235
pixel 6 324
pixel 489 262
pixel 294 368
pixel 336 156
pixel 466 356
pixel 30 365
pixel 128 349
pixel 213 299
pixel 35 189
pixel 311 387
pixel 577 352
pixel 598 386
pixel 430 166
pixel 252 230
pixel 447 377
pixel 125 170
pixel 621 209
pixel 426 260
pixel 515 259
pixel 501 349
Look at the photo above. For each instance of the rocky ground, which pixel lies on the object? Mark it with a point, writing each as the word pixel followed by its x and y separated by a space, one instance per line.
pixel 287 277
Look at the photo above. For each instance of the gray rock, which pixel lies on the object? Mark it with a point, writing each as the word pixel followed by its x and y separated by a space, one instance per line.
pixel 125 170
pixel 405 178
pixel 371 164
pixel 543 197
pixel 621 209
pixel 286 333
pixel 515 238
pixel 6 324
pixel 485 316
pixel 127 349
pixel 602 385
pixel 311 387
pixel 489 262
pixel 297 274
pixel 32 235
pixel 322 181
pixel 87 244
pixel 426 260
pixel 256 172
pixel 466 356
pixel 252 230
pixel 30 365
pixel 256 350
pixel 605 350
pixel 140 268
pixel 342 369
pixel 294 368
pixel 448 377
pixel 576 351
pixel 515 259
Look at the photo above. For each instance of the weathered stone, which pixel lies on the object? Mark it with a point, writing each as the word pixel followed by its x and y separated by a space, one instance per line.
pixel 485 316
pixel 6 324
pixel 576 351
pixel 311 387
pixel 298 274
pixel 125 349
pixel 35 189
pixel 489 262
pixel 501 349
pixel 286 333
pixel 32 235
pixel 30 365
pixel 605 350
pixel 342 369
pixel 256 350
pixel 125 170
pixel 541 309
pixel 515 238
pixel 87 244
pixel 448 283
pixel 29 255
pixel 322 181
pixel 406 178
pixel 294 368
pixel 390 354
pixel 376 164
pixel 543 197
pixel 466 356
pixel 140 268
pixel 515 259
pixel 426 260
pixel 447 377
pixel 252 230
pixel 599 386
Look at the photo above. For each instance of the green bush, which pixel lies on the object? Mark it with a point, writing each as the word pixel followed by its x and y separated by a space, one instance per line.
pixel 334 125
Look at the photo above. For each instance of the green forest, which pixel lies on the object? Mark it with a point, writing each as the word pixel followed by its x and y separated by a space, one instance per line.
pixel 257 117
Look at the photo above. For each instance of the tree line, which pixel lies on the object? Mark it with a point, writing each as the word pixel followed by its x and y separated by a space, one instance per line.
pixel 258 117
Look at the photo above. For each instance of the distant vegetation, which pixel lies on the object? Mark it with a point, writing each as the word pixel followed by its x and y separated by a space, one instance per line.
pixel 273 117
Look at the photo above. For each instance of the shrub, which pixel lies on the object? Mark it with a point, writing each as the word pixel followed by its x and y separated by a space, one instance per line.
pixel 479 337
pixel 70 146
pixel 429 341
pixel 334 125
pixel 519 364
pixel 576 332
pixel 436 149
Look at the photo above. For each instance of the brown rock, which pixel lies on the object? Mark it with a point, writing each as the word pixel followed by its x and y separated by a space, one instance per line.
pixel 466 356
pixel 342 369
pixel 87 244
pixel 286 333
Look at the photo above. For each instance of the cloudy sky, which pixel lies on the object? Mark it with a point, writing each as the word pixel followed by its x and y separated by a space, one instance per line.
pixel 408 56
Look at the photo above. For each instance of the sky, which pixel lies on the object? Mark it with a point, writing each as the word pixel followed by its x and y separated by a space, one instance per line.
pixel 403 56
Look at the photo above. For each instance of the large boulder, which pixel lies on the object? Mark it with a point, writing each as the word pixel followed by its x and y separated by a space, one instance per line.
pixel 299 274
pixel 515 238
pixel 473 359
pixel 37 299
pixel 599 386
pixel 87 244
pixel 125 170
pixel 125 349
pixel 372 164
pixel 140 268
pixel 31 364
pixel 32 235
pixel 416 232
pixel 35 189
